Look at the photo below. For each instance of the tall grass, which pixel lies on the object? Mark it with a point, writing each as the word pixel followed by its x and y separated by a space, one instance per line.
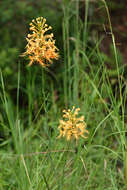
pixel 31 156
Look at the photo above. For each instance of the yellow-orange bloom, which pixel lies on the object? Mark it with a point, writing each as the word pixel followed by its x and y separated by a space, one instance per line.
pixel 72 126
pixel 40 47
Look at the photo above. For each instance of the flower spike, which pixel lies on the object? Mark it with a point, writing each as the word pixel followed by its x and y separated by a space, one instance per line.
pixel 40 46
pixel 72 126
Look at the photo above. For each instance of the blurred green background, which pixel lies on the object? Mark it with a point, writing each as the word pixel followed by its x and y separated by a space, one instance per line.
pixel 89 74
pixel 15 18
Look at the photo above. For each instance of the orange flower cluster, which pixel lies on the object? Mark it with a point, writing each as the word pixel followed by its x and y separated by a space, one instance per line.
pixel 40 47
pixel 72 126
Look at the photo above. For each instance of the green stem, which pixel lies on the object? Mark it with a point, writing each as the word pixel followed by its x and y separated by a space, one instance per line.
pixel 126 169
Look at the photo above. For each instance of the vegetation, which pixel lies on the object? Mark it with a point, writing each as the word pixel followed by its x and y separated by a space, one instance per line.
pixel 39 150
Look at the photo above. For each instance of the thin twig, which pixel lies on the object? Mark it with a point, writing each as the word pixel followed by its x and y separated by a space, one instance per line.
pixel 36 153
pixel 22 158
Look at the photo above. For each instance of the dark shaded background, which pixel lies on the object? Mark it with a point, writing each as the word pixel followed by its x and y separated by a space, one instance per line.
pixel 16 16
